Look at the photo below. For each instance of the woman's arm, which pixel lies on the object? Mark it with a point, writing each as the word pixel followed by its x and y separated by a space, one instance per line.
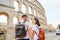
pixel 33 33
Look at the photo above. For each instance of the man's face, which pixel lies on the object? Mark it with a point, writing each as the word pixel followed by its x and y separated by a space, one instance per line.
pixel 25 18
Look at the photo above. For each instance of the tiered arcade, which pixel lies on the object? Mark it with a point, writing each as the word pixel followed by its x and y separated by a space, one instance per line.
pixel 32 8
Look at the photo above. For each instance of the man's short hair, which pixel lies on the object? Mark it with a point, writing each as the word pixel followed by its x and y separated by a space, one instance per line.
pixel 24 16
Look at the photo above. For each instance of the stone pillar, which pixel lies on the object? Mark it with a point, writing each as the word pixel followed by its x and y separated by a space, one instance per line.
pixel 36 13
pixel 26 6
pixel 27 9
pixel 19 7
pixel 32 0
pixel 10 29
pixel 32 11
pixel 19 16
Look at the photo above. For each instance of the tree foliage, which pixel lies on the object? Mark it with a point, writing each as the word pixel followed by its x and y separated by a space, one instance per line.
pixel 59 26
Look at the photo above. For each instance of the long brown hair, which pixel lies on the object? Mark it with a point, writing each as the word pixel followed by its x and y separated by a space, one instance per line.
pixel 37 21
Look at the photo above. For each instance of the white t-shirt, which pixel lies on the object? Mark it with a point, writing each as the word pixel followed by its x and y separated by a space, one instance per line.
pixel 34 28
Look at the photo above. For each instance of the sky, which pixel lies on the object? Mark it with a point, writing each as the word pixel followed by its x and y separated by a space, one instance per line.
pixel 52 11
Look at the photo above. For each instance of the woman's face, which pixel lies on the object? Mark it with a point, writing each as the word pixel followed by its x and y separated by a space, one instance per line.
pixel 33 21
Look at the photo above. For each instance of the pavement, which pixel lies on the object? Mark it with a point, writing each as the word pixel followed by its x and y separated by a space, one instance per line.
pixel 52 36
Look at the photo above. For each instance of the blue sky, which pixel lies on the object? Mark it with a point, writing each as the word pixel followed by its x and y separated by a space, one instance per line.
pixel 52 10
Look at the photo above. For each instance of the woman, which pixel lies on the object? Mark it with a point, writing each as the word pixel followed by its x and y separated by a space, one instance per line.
pixel 35 30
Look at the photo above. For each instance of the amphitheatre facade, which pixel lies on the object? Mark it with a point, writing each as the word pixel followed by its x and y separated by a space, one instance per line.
pixel 32 8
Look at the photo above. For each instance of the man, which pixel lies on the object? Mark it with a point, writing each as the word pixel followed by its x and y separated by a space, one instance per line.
pixel 24 20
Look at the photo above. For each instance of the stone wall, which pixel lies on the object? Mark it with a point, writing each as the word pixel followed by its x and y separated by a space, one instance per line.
pixel 7 8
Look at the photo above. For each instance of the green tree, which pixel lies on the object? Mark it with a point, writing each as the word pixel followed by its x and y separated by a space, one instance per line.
pixel 59 26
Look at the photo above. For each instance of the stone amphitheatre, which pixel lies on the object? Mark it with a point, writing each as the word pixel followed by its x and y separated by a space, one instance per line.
pixel 8 14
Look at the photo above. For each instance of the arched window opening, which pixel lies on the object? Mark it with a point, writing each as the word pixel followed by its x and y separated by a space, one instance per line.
pixel 35 12
pixel 3 20
pixel 2 35
pixel 23 8
pixel 30 0
pixel 15 20
pixel 30 10
pixel 16 5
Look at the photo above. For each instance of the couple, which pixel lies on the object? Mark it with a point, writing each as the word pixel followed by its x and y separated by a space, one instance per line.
pixel 32 31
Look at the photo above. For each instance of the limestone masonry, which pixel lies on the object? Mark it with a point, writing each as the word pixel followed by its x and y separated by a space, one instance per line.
pixel 7 8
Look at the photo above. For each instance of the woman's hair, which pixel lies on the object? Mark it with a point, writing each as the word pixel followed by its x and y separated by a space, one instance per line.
pixel 37 21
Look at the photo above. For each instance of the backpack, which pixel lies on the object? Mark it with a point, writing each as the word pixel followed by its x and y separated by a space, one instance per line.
pixel 20 30
pixel 41 35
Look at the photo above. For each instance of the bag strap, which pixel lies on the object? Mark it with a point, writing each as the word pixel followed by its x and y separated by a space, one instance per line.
pixel 35 31
pixel 38 29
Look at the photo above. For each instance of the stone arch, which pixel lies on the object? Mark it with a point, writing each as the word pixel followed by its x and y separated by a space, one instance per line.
pixel 38 14
pixel 34 12
pixel 30 0
pixel 4 13
pixel 30 10
pixel 3 33
pixel 4 18
pixel 23 8
pixel 15 20
pixel 16 5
